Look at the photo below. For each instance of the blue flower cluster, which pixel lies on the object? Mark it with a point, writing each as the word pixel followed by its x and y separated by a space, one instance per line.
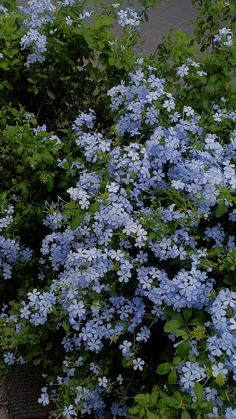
pixel 40 23
pixel 39 15
pixel 10 249
pixel 220 367
pixel 224 37
pixel 222 345
pixel 142 202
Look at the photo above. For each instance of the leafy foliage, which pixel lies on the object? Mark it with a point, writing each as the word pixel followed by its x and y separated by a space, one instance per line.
pixel 117 245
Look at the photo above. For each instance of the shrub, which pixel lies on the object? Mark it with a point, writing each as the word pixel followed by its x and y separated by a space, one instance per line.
pixel 134 311
pixel 54 63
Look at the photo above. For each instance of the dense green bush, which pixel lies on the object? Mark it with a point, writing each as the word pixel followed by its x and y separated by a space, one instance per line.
pixel 38 103
pixel 118 206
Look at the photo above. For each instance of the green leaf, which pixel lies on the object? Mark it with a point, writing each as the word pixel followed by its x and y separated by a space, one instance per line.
pixel 154 397
pixel 51 94
pixel 233 85
pixel 176 361
pixel 198 390
pixel 182 349
pixel 183 333
pixel 77 219
pixel 172 377
pixel 232 7
pixel 213 78
pixel 170 402
pixel 173 325
pixel 174 315
pixel 8 85
pixel 142 398
pixel 134 410
pixel 205 103
pixel 187 314
pixel 142 413
pixel 163 369
pixel 151 415
pixel 214 252
pixel 103 21
pixel 37 361
pixel 221 209
pixel 185 415
pixel 94 207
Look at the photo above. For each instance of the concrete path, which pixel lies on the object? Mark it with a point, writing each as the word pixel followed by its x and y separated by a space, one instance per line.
pixel 167 15
pixel 3 401
pixel 3 413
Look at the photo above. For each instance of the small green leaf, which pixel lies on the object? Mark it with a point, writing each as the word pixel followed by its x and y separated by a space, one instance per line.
pixel 232 7
pixel 185 415
pixel 163 369
pixel 37 361
pixel 172 377
pixel 173 314
pixel 94 207
pixel 170 402
pixel 48 346
pixel 182 350
pixel 173 325
pixel 151 415
pixel 142 413
pixel 8 85
pixel 205 103
pixel 51 94
pixel 134 410
pixel 77 219
pixel 142 398
pixel 233 85
pixel 198 390
pixel 187 314
pixel 154 397
pixel 221 209
pixel 176 360
pixel 183 333
pixel 214 252
pixel 102 22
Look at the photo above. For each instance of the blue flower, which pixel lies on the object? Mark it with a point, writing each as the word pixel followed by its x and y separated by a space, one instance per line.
pixel 69 412
pixel 138 364
pixel 190 373
pixel 219 369
pixel 103 382
pixel 44 399
pixel 9 358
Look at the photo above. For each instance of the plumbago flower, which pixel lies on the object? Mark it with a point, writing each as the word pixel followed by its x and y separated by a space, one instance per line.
pixel 43 27
pixel 135 251
pixel 39 15
pixel 224 37
pixel 10 250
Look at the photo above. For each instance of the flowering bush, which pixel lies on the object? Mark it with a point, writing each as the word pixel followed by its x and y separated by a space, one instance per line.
pixel 213 17
pixel 140 251
pixel 55 60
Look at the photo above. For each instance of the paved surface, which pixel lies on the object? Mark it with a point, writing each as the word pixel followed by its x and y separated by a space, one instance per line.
pixel 3 401
pixel 23 387
pixel 168 14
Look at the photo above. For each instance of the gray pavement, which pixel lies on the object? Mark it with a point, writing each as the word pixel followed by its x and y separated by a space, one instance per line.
pixel 3 401
pixel 167 15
